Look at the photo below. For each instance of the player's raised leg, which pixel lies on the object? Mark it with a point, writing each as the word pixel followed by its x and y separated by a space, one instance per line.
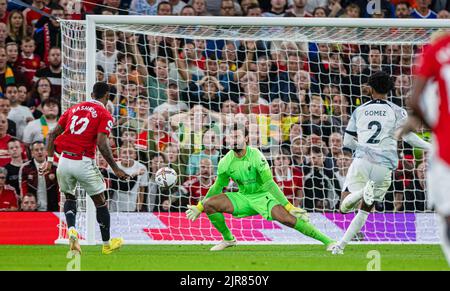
pixel 280 214
pixel 214 208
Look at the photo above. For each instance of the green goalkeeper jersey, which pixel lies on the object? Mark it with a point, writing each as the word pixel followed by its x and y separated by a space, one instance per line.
pixel 251 172
pixel 245 171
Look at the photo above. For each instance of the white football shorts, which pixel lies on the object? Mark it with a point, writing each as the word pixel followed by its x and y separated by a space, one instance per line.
pixel 83 171
pixel 361 171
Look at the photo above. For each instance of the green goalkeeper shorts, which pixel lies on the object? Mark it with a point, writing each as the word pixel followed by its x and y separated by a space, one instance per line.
pixel 252 204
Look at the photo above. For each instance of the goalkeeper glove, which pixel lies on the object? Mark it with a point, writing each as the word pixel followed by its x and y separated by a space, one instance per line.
pixel 297 212
pixel 194 211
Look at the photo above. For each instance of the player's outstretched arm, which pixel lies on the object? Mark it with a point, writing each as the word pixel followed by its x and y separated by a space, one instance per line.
pixel 416 141
pixel 270 186
pixel 194 211
pixel 52 135
pixel 105 150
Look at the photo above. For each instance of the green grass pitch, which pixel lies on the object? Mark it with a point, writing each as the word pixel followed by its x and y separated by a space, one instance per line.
pixel 239 258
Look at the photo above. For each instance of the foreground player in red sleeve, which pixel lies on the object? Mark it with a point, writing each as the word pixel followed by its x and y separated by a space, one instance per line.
pixel 430 102
pixel 80 130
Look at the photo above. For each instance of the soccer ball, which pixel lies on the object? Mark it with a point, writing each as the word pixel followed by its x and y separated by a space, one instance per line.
pixel 166 177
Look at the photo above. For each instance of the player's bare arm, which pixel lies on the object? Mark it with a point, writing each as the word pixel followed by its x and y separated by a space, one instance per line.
pixel 105 150
pixel 47 166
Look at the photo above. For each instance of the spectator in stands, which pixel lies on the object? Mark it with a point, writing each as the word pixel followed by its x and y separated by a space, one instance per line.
pixel 278 8
pixel 320 12
pixel 403 10
pixel 45 188
pixel 288 178
pixel 37 130
pixel 208 92
pixel 8 195
pixel 335 146
pixel 144 7
pixel 252 102
pixel 107 56
pixel 127 102
pixel 22 94
pixel 49 35
pixel 28 62
pixel 340 113
pixel 12 53
pixel 229 107
pixel 319 190
pixel 443 14
pixel 198 185
pixel 247 3
pixel 200 7
pixel 4 11
pixel 298 151
pixel 227 8
pixel 177 6
pixel 335 8
pixel 173 104
pixel 402 87
pixel 31 16
pixel 423 11
pixel 375 63
pixel 188 10
pixel 177 159
pixel 414 196
pixel 5 108
pixel 254 10
pixel 156 196
pixel 318 123
pixel 3 33
pixel 298 9
pixel 16 27
pixel 20 114
pixel 42 90
pixel 210 151
pixel 157 83
pixel 15 150
pixel 352 11
pixel 129 195
pixel 164 8
pixel 28 203
pixel 53 72
pixel 343 162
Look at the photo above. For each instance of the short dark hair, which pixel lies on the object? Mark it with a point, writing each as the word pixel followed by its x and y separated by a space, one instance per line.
pixel 10 85
pixel 35 143
pixel 50 101
pixel 13 140
pixel 381 82
pixel 317 150
pixel 403 3
pixel 100 90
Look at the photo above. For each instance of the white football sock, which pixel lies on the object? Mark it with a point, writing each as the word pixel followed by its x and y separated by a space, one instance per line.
pixel 354 227
pixel 351 201
pixel 445 240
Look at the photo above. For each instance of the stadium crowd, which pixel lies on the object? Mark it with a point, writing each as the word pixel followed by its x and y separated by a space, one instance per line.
pixel 172 100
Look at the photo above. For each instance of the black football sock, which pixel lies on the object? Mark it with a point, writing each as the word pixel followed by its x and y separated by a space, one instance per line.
pixel 104 221
pixel 70 210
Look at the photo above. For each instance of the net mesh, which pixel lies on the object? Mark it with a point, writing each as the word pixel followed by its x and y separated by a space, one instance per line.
pixel 177 91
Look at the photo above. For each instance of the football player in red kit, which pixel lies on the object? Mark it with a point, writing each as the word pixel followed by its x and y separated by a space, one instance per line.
pixel 80 130
pixel 430 102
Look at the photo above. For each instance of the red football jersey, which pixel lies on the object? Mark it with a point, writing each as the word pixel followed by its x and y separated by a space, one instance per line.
pixel 435 65
pixel 8 198
pixel 196 190
pixel 82 123
pixel 292 185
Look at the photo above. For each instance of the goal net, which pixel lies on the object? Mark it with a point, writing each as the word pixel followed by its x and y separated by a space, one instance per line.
pixel 179 84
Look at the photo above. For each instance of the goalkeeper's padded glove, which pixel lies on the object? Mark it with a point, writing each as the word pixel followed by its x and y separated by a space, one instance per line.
pixel 297 212
pixel 194 211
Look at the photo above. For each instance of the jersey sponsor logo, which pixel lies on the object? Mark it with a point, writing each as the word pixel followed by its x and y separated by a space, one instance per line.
pixel 375 113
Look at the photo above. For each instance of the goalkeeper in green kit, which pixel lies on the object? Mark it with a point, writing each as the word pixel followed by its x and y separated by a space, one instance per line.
pixel 258 194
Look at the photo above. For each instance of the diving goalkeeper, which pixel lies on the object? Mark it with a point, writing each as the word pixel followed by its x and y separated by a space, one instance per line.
pixel 258 194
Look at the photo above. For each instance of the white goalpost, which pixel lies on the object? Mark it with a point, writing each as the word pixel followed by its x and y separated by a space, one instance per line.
pixel 179 83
